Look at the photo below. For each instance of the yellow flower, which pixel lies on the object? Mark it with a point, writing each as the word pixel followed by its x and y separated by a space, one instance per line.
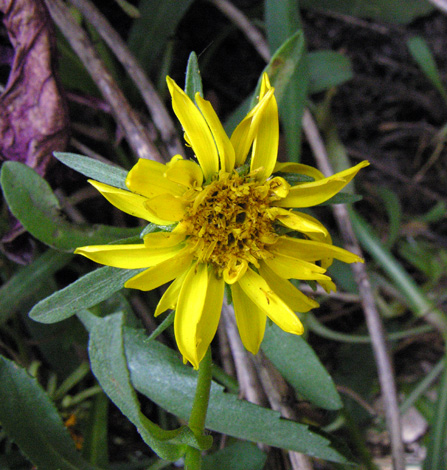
pixel 227 211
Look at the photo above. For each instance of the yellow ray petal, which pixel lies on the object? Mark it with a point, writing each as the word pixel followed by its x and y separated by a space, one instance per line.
pixel 290 167
pixel 298 221
pixel 166 207
pixel 265 143
pixel 196 128
pixel 311 194
pixel 190 305
pixel 265 85
pixel 224 147
pixel 163 239
pixel 309 250
pixel 274 307
pixel 170 297
pixel 207 327
pixel 250 319
pixel 242 137
pixel 185 172
pixel 128 202
pixel 127 256
pixel 292 268
pixel 293 297
pixel 147 178
pixel 161 273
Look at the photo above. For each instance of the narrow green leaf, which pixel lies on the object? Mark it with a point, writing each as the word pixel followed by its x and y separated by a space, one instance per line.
pixel 150 33
pixel 327 69
pixel 282 21
pixel 193 82
pixel 28 281
pixel 282 66
pixel 30 419
pixel 174 391
pixel 108 362
pixel 422 55
pixel 415 298
pixel 392 11
pixel 99 171
pixel 86 292
pixel 128 8
pixel 32 201
pixel 95 438
pixel 342 198
pixel 436 456
pixel 237 456
pixel 300 366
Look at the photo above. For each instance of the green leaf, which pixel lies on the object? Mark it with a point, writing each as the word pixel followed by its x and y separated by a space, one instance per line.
pixel 393 11
pixel 327 69
pixel 99 171
pixel 300 366
pixel 94 448
pixel 193 82
pixel 30 419
pixel 150 33
pixel 282 66
pixel 32 201
pixel 282 21
pixel 108 362
pixel 421 53
pixel 174 389
pixel 342 198
pixel 28 281
pixel 86 292
pixel 237 456
pixel 128 8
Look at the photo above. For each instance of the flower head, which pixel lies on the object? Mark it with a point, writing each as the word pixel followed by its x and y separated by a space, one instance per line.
pixel 229 214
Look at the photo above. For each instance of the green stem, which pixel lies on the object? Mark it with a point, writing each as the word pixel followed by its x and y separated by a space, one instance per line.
pixel 193 458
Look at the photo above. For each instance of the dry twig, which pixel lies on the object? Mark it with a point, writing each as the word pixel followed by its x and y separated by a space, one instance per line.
pixel 135 132
pixel 160 116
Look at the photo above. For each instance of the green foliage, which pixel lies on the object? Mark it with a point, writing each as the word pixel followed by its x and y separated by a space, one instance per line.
pixel 102 172
pixel 393 11
pixel 32 201
pixel 422 55
pixel 307 376
pixel 86 292
pixel 29 418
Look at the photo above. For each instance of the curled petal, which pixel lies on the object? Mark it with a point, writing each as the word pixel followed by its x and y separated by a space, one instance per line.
pixel 292 268
pixel 317 192
pixel 309 250
pixel 265 144
pixel 298 221
pixel 161 273
pixel 166 207
pixel 207 326
pixel 224 147
pixel 299 168
pixel 170 298
pixel 185 172
pixel 292 296
pixel 148 179
pixel 250 319
pixel 244 134
pixel 127 256
pixel 196 129
pixel 190 305
pixel 128 202
pixel 163 239
pixel 259 292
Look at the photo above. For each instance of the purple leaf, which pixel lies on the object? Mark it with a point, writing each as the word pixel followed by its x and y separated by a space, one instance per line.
pixel 33 114
pixel 34 119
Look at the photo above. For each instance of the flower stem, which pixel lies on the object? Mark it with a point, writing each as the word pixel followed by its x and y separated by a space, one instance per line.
pixel 193 458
